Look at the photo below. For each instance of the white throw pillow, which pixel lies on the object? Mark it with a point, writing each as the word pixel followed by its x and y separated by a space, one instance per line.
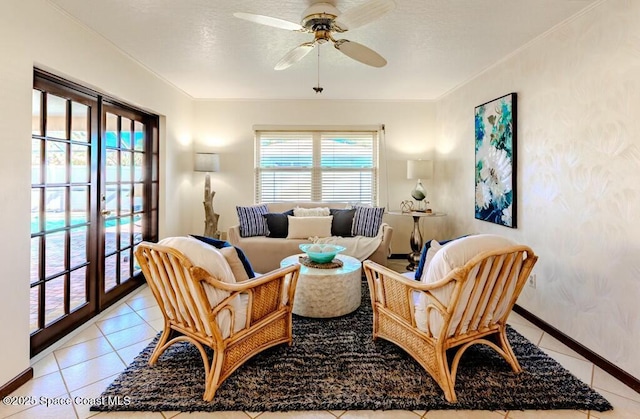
pixel 305 227
pixel 311 212
pixel 433 249
pixel 210 259
pixel 452 255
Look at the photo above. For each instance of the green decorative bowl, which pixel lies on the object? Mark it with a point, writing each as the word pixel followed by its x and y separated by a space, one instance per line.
pixel 321 253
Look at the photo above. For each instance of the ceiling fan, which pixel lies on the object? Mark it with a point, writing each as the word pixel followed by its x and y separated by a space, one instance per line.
pixel 323 20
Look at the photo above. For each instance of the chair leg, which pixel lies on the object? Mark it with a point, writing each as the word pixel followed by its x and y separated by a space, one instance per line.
pixel 508 354
pixel 160 346
pixel 444 379
pixel 212 379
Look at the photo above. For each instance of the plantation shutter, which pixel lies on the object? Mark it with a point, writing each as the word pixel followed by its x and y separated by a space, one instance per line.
pixel 326 166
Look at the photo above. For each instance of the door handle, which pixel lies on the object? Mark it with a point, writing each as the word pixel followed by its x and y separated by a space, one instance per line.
pixel 105 212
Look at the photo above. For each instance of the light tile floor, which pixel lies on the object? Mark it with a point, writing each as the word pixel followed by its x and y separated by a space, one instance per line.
pixel 82 365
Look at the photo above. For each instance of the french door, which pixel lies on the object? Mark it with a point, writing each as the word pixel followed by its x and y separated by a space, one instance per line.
pixel 94 194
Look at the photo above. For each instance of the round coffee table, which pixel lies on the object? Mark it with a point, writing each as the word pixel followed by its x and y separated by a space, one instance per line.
pixel 327 292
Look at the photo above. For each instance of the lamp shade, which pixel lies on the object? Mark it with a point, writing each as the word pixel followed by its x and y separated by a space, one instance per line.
pixel 419 169
pixel 206 162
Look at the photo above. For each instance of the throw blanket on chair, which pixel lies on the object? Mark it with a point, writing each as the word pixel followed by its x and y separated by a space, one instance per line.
pixel 359 247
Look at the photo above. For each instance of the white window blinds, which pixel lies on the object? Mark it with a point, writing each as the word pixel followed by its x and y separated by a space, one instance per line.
pixel 327 166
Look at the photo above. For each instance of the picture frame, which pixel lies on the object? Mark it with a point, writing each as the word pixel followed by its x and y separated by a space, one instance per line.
pixel 495 161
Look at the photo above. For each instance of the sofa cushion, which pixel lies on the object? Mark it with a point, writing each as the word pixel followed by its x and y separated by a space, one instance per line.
pixel 252 222
pixel 278 224
pixel 219 244
pixel 305 227
pixel 367 221
pixel 342 222
pixel 311 212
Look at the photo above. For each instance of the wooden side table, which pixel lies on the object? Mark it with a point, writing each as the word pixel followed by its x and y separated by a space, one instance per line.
pixel 416 236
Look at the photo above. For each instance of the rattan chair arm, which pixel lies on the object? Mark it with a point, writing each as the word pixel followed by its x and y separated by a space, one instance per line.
pixel 199 274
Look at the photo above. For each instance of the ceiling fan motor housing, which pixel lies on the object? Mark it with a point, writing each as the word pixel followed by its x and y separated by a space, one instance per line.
pixel 319 16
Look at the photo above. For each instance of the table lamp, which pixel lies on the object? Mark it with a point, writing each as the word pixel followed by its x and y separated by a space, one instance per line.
pixel 420 170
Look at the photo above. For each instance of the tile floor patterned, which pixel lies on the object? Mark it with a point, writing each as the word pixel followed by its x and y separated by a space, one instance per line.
pixel 89 359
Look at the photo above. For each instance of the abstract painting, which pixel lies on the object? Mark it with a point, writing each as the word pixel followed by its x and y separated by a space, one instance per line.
pixel 495 174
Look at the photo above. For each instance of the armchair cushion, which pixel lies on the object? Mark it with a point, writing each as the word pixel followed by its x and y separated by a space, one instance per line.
pixel 210 259
pixel 427 255
pixel 452 255
pixel 219 244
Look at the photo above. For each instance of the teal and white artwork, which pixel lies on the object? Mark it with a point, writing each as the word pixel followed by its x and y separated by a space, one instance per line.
pixel 495 174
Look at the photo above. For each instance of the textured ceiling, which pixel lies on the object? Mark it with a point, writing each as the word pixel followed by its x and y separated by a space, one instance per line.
pixel 431 46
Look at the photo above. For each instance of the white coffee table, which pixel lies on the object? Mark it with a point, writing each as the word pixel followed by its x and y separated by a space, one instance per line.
pixel 327 292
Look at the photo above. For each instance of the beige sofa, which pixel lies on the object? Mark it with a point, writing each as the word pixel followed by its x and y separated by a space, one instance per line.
pixel 265 253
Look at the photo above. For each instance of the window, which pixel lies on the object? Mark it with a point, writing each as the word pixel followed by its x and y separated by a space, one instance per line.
pixel 325 166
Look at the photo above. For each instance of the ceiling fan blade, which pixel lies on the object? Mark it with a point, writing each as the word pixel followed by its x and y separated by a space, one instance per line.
pixel 295 55
pixel 269 21
pixel 365 13
pixel 360 53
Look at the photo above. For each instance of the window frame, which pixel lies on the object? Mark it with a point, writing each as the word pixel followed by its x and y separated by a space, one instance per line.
pixel 316 170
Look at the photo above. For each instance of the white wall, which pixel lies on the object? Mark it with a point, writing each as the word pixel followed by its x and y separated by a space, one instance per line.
pixel 34 33
pixel 227 127
pixel 578 168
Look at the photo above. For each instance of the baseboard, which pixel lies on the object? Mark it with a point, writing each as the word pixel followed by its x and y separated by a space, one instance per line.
pixel 607 366
pixel 16 383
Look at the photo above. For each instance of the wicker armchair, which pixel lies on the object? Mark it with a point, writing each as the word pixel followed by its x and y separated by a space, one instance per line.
pixel 179 288
pixel 473 308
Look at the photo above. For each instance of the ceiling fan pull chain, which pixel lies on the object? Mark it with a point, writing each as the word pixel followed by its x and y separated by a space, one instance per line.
pixel 318 89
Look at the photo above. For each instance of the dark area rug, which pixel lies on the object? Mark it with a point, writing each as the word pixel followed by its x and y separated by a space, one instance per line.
pixel 334 364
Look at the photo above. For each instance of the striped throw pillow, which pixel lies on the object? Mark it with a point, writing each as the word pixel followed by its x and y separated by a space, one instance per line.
pixel 252 222
pixel 367 221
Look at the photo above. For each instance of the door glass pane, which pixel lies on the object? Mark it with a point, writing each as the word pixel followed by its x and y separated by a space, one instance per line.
pixel 54 199
pixel 54 254
pixel 35 210
pixel 78 288
pixel 79 122
pixel 110 236
pixel 111 199
pixel 79 205
pixel 78 249
pixel 110 266
pixel 33 308
pixel 111 168
pixel 138 197
pixel 36 155
pixel 56 117
pixel 80 168
pixel 125 166
pixel 137 229
pixel 54 299
pixel 125 133
pixel 56 161
pixel 35 260
pixel 125 199
pixel 138 135
pixel 36 104
pixel 111 130
pixel 138 162
pixel 125 232
pixel 125 265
